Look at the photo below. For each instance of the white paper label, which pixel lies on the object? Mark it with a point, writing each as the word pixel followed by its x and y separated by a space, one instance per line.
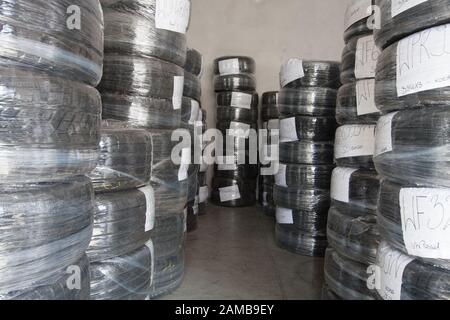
pixel 280 177
pixel 423 60
pixel 185 214
pixel 273 124
pixel 185 163
pixel 241 100
pixel 264 199
pixel 383 140
pixel 290 71
pixel 173 15
pixel 230 66
pixel 340 184
pixel 151 248
pixel 365 97
pixel 356 11
pixel 399 6
pixel 392 265
pixel 366 58
pixel 203 194
pixel 195 109
pixel 149 194
pixel 239 129
pixel 288 130
pixel 425 214
pixel 178 87
pixel 284 216
pixel 229 193
pixel 195 207
pixel 355 141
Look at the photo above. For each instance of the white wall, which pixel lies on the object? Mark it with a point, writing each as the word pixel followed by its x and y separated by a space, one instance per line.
pixel 270 31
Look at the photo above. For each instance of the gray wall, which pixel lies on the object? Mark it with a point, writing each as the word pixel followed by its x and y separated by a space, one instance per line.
pixel 270 31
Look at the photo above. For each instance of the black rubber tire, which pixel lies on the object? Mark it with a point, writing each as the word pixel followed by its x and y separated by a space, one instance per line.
pixel 61 214
pixel 49 126
pixel 243 171
pixel 194 62
pixel 308 200
pixel 130 30
pixel 247 190
pixel 358 29
pixel 36 34
pixel 235 82
pixel 307 102
pixel 237 114
pixel 192 86
pixel 192 216
pixel 308 176
pixel 127 277
pixel 269 108
pixel 299 242
pixel 246 64
pixel 311 128
pixel 323 74
pixel 307 152
pixel 225 99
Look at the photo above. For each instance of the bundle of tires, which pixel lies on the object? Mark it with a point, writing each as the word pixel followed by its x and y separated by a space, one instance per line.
pixel 50 117
pixel 142 87
pixel 268 159
pixel 236 171
pixel 412 152
pixel 203 187
pixel 352 230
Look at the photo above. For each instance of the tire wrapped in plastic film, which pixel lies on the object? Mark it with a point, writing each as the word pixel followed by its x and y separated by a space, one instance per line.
pixel 323 74
pixel 307 102
pixel 356 238
pixel 307 152
pixel 192 86
pixel 126 277
pixel 237 114
pixel 61 215
pixel 190 112
pixel 269 108
pixel 358 29
pixel 420 146
pixel 141 112
pixel 328 294
pixel 120 224
pixel 423 15
pixel 307 128
pixel 233 193
pixel 347 278
pixel 392 210
pixel 240 64
pixel 313 223
pixel 192 212
pixel 130 29
pixel 125 158
pixel 194 62
pixel 40 34
pixel 235 82
pixel 237 100
pixel 203 197
pixel 316 201
pixel 350 107
pixel 386 91
pixel 193 183
pixel 265 197
pixel 240 171
pixel 58 290
pixel 354 146
pixel 144 77
pixel 299 242
pixel 304 176
pixel 49 126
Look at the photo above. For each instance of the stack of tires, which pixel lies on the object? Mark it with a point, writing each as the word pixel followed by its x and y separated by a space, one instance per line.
pixel 307 104
pixel 50 117
pixel 121 251
pixel 143 86
pixel 271 123
pixel 192 120
pixel 352 225
pixel 203 190
pixel 236 169
pixel 412 152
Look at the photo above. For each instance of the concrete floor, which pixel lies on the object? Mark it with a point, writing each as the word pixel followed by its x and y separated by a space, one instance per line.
pixel 233 256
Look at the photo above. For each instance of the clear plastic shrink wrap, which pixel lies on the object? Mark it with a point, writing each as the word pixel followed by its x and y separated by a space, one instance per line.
pixel 130 29
pixel 237 99
pixel 302 128
pixel 307 102
pixel 234 65
pixel 269 108
pixel 122 222
pixel 347 278
pixel 233 192
pixel 305 176
pixel 354 146
pixel 358 29
pixel 49 125
pixel 307 152
pixel 323 74
pixel 58 290
pixel 194 62
pixel 127 277
pixel 301 242
pixel 61 216
pixel 192 86
pixel 413 146
pixel 399 20
pixel 44 35
pixel 125 158
pixel 235 82
pixel 311 200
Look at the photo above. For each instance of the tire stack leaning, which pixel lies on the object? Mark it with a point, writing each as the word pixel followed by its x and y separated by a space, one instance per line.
pixel 412 152
pixel 143 84
pixel 271 122
pixel 352 225
pixel 203 190
pixel 50 117
pixel 236 169
pixel 307 104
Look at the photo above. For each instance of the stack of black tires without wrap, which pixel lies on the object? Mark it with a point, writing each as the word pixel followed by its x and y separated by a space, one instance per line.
pixel 142 91
pixel 50 121
pixel 352 225
pixel 307 103
pixel 236 169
